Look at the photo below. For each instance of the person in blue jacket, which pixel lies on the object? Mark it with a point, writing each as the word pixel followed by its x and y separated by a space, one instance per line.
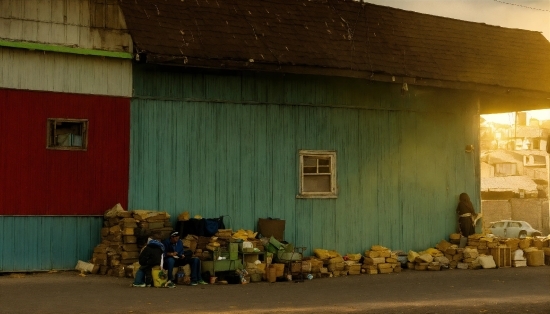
pixel 175 255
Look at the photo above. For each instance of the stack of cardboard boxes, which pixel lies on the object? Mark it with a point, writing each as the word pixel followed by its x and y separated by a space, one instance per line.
pixel 122 236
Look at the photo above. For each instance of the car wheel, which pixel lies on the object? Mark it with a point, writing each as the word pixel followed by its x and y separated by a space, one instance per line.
pixel 536 234
pixel 522 234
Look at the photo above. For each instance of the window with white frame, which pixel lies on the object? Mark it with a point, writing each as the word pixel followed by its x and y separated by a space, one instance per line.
pixel 67 134
pixel 317 174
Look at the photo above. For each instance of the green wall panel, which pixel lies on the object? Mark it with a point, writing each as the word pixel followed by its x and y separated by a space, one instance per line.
pixel 38 243
pixel 227 144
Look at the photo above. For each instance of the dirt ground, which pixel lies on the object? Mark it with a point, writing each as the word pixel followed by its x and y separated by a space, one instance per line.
pixel 504 290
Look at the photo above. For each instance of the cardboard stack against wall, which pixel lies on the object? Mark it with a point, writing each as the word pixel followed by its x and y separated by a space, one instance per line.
pixel 482 243
pixel 149 221
pixel 224 238
pixel 380 260
pixel 122 236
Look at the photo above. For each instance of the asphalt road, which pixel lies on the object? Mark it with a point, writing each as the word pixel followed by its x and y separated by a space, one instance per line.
pixel 504 290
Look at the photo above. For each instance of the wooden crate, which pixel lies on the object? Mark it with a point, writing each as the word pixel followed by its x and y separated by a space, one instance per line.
pixel 502 256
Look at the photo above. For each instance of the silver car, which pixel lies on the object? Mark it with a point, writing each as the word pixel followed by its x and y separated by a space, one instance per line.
pixel 513 229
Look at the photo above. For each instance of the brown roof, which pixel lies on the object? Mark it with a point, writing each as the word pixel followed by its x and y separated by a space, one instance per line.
pixel 336 37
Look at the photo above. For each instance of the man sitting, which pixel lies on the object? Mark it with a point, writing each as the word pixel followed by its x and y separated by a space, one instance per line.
pixel 175 255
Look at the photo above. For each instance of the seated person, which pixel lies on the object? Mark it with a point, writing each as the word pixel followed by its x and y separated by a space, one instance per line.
pixel 175 256
pixel 150 256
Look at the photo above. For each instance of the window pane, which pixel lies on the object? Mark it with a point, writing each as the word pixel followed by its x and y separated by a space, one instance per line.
pixel 310 161
pixel 310 170
pixel 317 183
pixel 324 169
pixel 67 134
pixel 324 161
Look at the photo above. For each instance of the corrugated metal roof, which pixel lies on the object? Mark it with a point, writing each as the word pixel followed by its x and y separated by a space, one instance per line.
pixel 344 38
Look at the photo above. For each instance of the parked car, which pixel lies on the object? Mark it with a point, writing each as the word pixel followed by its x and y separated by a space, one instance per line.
pixel 513 229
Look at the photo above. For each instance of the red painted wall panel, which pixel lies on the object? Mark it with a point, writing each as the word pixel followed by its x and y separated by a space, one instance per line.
pixel 39 181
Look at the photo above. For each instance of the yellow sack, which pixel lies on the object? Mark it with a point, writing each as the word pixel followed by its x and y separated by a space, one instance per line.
pixel 378 248
pixel 333 254
pixel 354 257
pixel 524 243
pixel 183 216
pixel 412 256
pixel 433 252
pixel 424 258
pixel 443 245
pixel 321 253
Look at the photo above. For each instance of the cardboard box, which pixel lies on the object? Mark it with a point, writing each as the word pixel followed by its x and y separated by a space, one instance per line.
pixel 250 258
pixel 272 228
pixel 535 258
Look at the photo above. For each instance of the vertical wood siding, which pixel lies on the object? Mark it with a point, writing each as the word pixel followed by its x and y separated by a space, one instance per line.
pixel 58 72
pixel 45 243
pixel 38 181
pixel 89 24
pixel 227 144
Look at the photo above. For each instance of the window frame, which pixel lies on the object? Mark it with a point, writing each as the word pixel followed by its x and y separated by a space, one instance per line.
pixel 333 174
pixel 51 124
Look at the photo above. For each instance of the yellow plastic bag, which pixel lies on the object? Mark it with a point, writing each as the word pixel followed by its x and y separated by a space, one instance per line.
pixel 412 256
pixel 159 277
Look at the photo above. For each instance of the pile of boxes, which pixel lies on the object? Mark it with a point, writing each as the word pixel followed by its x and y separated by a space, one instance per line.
pixel 125 233
pixel 122 236
pixel 380 260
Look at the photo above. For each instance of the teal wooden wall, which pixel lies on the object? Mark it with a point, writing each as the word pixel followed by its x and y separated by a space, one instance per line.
pixel 38 243
pixel 227 144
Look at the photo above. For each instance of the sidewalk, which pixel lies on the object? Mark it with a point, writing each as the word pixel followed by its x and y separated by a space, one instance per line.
pixel 505 290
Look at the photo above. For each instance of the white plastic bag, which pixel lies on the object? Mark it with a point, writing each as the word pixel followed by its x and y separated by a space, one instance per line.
pixel 486 261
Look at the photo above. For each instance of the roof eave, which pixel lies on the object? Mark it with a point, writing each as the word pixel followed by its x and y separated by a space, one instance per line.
pixel 493 98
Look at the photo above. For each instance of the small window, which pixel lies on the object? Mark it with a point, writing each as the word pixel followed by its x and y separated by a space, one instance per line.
pixel 67 134
pixel 317 174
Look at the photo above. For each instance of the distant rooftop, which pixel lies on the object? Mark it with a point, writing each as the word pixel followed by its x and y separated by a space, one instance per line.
pixel 509 184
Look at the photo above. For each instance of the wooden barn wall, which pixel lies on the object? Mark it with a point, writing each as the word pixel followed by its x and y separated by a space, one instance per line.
pixel 40 181
pixel 67 73
pixel 227 144
pixel 38 243
pixel 88 24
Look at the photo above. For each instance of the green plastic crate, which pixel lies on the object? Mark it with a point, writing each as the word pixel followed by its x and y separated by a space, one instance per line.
pixel 233 247
pixel 233 256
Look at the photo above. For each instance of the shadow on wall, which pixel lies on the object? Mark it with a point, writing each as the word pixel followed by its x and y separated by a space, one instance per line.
pixel 533 210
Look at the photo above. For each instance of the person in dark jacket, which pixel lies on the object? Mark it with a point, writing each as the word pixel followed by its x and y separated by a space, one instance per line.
pixel 466 215
pixel 150 256
pixel 176 255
